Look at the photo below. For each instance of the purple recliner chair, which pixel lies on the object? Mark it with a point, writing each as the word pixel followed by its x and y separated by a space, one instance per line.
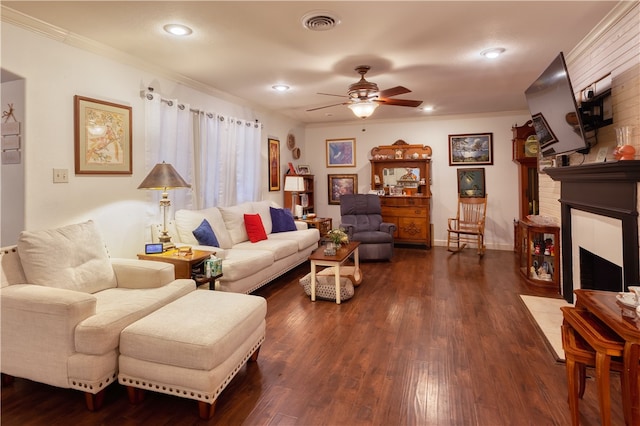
pixel 361 218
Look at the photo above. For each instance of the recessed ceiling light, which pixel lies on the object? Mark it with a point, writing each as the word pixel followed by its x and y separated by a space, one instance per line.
pixel 280 87
pixel 427 108
pixel 493 52
pixel 178 29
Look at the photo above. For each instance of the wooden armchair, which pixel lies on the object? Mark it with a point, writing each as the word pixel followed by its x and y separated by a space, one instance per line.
pixel 468 225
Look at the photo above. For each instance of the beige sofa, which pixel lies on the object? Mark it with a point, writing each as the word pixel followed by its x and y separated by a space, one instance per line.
pixel 246 266
pixel 64 303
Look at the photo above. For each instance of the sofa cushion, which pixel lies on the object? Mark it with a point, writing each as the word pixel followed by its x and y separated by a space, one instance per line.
pixel 117 308
pixel 262 208
pixel 188 220
pixel 282 220
pixel 255 228
pixel 73 257
pixel 280 248
pixel 303 237
pixel 234 221
pixel 205 235
pixel 241 263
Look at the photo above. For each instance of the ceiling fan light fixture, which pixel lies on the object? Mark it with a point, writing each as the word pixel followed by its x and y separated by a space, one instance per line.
pixel 493 52
pixel 363 109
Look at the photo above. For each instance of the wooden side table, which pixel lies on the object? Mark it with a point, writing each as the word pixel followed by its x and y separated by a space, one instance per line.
pixel 323 224
pixel 182 264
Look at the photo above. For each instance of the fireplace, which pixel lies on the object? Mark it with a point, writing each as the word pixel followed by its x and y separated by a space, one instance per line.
pixel 597 273
pixel 599 214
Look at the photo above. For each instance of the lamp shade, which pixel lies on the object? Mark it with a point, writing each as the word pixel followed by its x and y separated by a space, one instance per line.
pixel 293 183
pixel 163 176
pixel 363 109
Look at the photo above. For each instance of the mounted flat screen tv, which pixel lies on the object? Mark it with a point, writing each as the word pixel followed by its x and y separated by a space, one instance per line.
pixel 556 117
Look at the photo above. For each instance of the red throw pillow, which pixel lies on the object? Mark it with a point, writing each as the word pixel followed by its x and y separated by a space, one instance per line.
pixel 255 228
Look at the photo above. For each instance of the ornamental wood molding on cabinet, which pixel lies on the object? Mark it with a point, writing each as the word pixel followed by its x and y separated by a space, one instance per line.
pixel 401 173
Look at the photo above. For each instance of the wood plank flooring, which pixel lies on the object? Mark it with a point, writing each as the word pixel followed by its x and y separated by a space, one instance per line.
pixel 428 339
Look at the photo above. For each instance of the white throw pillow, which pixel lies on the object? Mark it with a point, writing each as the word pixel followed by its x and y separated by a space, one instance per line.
pixel 234 221
pixel 262 208
pixel 73 257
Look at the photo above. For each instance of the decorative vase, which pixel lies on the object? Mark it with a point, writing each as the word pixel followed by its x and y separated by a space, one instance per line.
pixel 623 150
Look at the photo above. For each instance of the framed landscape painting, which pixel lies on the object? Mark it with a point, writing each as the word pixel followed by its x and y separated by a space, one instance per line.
pixel 471 183
pixel 471 149
pixel 340 185
pixel 341 152
pixel 102 142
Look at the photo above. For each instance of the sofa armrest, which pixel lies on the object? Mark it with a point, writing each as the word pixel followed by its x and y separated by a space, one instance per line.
pixel 135 273
pixel 388 227
pixel 38 327
pixel 301 225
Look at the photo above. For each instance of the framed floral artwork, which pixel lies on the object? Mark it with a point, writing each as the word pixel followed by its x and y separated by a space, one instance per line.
pixel 471 149
pixel 102 137
pixel 341 152
pixel 340 185
pixel 274 164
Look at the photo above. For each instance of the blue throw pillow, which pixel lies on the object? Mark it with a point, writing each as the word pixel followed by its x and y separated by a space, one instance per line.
pixel 205 235
pixel 282 220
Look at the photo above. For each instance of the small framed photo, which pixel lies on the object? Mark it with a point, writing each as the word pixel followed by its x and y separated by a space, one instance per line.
pixel 304 170
pixel 341 152
pixel 102 137
pixel 471 149
pixel 340 185
pixel 471 183
pixel 274 164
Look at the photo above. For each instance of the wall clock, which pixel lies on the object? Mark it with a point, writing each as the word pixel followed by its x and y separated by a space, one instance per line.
pixel 291 141
pixel 531 147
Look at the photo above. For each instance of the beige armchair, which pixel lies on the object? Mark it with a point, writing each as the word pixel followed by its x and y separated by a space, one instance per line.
pixel 64 303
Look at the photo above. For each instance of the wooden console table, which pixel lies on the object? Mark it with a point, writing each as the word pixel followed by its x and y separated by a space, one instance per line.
pixel 624 322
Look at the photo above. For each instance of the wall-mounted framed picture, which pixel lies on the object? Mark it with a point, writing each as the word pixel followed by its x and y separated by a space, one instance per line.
pixel 341 152
pixel 471 149
pixel 471 183
pixel 102 137
pixel 274 164
pixel 304 169
pixel 340 185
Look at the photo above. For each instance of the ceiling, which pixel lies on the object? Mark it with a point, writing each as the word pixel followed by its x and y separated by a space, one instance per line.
pixel 243 48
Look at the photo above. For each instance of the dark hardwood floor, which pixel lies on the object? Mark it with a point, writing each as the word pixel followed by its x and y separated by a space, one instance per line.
pixel 428 339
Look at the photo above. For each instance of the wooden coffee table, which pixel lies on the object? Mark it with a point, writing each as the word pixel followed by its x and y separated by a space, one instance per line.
pixel 318 258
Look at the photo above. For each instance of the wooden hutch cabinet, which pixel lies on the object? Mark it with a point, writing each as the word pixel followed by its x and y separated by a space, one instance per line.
pixel 525 154
pixel 401 173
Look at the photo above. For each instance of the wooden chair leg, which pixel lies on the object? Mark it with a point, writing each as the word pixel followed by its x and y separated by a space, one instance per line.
pixel 206 410
pixel 94 401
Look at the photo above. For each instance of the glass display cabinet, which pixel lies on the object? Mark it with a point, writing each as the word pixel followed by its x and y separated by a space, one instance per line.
pixel 539 251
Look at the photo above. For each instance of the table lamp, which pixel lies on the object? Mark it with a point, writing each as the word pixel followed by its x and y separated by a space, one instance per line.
pixel 295 184
pixel 164 177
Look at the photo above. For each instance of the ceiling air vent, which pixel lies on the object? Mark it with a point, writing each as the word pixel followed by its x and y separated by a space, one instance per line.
pixel 320 21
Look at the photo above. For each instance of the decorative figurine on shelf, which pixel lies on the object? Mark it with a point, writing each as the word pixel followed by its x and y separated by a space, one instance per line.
pixel 548 247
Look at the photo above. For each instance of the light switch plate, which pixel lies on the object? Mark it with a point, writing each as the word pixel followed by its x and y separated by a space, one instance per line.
pixel 60 175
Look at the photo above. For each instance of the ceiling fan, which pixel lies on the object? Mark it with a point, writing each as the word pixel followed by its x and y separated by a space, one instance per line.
pixel 364 96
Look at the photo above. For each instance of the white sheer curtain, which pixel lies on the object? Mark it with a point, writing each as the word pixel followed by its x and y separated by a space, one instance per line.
pixel 219 155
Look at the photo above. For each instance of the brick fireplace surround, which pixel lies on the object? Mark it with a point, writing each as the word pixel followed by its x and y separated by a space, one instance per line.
pixel 604 189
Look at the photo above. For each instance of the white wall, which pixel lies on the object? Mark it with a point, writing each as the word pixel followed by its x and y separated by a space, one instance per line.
pixel 501 177
pixel 54 72
pixel 12 175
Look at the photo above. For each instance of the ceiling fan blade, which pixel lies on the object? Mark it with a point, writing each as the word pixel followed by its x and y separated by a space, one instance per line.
pixel 327 106
pixel 400 102
pixel 394 91
pixel 331 94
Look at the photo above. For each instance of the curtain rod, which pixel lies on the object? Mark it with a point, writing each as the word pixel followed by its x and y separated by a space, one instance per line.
pixel 149 95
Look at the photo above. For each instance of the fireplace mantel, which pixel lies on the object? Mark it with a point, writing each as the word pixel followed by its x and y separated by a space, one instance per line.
pixel 607 189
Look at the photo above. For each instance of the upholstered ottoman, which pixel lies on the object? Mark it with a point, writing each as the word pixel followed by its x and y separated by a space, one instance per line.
pixel 192 347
